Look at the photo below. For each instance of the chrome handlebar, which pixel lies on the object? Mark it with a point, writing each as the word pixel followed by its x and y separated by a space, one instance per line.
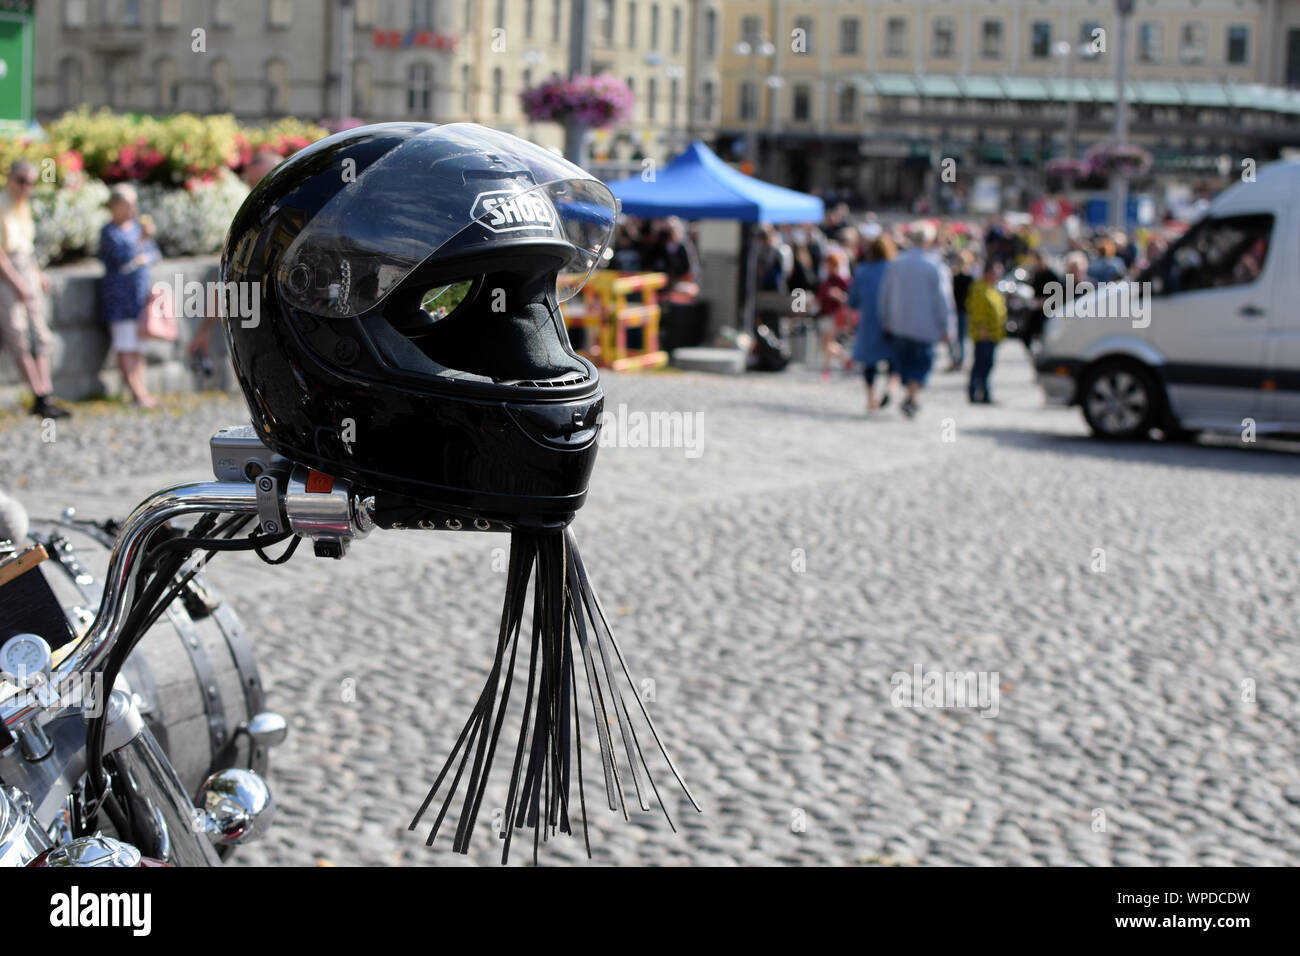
pixel 333 517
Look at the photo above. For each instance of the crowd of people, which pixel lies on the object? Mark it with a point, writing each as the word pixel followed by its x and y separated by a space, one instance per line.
pixel 886 297
pixel 906 293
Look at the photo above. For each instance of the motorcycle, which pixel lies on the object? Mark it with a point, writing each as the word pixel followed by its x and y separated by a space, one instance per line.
pixel 137 735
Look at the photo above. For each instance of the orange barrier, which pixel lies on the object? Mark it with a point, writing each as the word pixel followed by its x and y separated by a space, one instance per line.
pixel 606 315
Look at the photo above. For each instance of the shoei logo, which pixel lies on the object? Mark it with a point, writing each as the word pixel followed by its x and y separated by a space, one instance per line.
pixel 504 211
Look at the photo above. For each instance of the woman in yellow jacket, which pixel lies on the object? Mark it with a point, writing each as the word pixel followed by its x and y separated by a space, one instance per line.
pixel 987 317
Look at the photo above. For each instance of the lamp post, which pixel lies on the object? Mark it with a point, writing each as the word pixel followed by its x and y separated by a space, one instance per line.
pixel 344 19
pixel 1118 180
pixel 746 49
pixel 575 134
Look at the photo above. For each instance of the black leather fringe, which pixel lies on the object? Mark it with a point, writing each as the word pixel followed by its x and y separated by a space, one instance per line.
pixel 565 608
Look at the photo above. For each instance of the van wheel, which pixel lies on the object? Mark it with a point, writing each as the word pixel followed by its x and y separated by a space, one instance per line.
pixel 1121 400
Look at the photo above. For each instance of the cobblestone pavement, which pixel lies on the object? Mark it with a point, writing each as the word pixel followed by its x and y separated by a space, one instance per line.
pixel 1134 607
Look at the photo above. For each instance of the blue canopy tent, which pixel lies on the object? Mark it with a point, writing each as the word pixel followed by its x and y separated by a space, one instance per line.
pixel 698 185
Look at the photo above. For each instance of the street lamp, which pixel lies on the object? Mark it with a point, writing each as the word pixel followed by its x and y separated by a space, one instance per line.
pixel 1118 180
pixel 753 52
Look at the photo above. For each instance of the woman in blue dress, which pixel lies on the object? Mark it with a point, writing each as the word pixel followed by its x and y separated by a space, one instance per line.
pixel 127 249
pixel 872 345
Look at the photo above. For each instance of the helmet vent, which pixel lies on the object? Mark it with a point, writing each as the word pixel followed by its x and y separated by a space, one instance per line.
pixel 572 378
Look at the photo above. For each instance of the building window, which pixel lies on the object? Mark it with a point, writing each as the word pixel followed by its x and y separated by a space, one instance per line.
pixel 941 39
pixel 896 36
pixel 801 104
pixel 674 94
pixel 501 14
pixel 221 85
pixel 221 13
pixel 1150 40
pixel 74 14
pixel 419 89
pixel 363 91
pixel 605 17
pixel 707 95
pixel 364 14
pixel 165 74
pixel 131 13
pixel 279 13
pixel 530 17
pixel 710 32
pixel 1238 45
pixel 651 94
pixel 118 80
pixel 677 29
pixel 277 86
pixel 751 31
pixel 466 89
pixel 71 82
pixel 498 91
pixel 631 23
pixel 1090 35
pixel 748 105
pixel 805 27
pixel 1040 39
pixel 849 36
pixel 1191 47
pixel 848 104
pixel 557 17
pixel 469 15
pixel 654 26
pixel 991 39
pixel 169 13
pixel 421 14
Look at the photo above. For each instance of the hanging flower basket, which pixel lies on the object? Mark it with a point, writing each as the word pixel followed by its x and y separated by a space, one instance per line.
pixel 1118 159
pixel 1069 168
pixel 592 101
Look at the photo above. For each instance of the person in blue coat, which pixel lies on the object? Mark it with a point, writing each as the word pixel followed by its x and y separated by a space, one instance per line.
pixel 872 345
pixel 127 249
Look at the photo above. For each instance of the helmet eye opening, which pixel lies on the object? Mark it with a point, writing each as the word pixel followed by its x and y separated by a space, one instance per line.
pixel 443 299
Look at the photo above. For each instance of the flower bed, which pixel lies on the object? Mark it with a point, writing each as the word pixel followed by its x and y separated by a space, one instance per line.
pixel 185 166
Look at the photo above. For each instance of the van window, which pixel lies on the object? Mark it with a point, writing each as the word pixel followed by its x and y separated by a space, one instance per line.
pixel 1214 253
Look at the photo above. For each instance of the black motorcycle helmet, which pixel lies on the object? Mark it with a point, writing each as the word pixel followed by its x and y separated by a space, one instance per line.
pixel 391 299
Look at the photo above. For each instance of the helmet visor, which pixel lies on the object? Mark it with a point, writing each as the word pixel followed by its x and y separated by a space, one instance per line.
pixel 460 180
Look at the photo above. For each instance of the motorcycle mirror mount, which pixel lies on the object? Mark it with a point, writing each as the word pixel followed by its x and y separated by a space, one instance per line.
pixel 236 806
pixel 267 729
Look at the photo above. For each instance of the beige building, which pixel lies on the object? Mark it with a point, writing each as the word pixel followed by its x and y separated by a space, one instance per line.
pixel 867 98
pixel 861 97
pixel 437 61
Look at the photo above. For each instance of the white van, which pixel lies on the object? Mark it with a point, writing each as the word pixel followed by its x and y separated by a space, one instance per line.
pixel 1209 336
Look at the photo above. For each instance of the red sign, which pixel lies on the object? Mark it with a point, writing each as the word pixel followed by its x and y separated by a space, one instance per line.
pixel 425 39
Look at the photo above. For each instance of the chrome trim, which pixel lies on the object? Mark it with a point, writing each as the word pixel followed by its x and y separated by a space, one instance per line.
pixel 237 806
pixel 123 565
pixel 21 840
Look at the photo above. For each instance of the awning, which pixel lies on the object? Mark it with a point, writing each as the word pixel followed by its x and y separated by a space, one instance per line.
pixel 1207 94
pixel 1157 93
pixel 1024 88
pixel 981 87
pixel 894 84
pixel 938 85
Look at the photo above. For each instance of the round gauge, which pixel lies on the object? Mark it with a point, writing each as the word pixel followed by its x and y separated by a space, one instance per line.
pixel 25 659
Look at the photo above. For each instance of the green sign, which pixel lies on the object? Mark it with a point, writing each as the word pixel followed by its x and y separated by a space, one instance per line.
pixel 17 63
